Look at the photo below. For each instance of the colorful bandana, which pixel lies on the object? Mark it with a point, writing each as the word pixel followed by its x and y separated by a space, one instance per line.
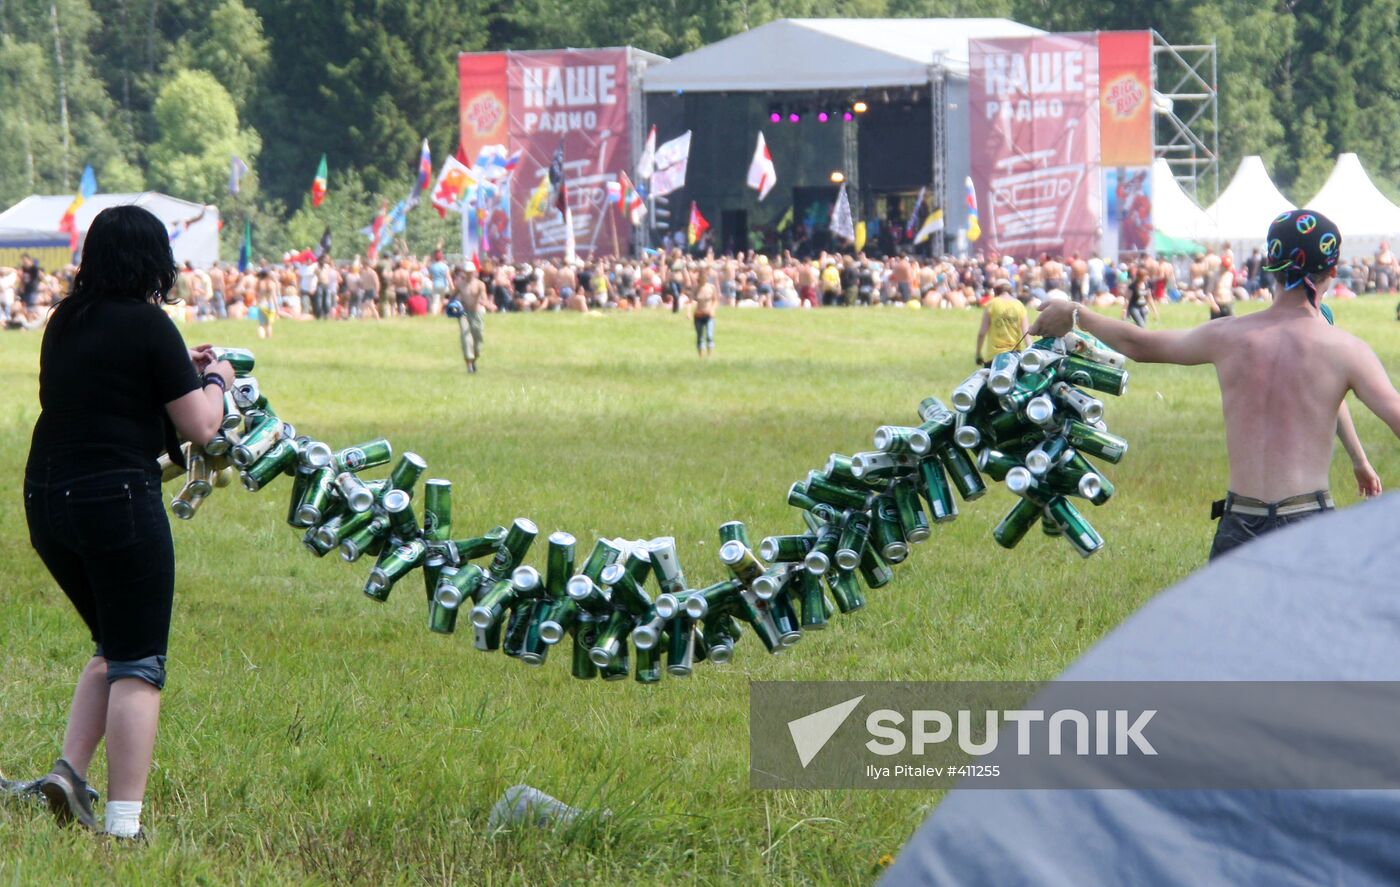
pixel 1302 242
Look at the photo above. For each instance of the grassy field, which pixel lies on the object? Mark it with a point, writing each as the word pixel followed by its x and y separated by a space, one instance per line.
pixel 311 735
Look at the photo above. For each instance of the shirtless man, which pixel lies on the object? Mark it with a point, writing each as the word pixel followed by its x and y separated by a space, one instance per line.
pixel 471 294
pixel 1283 374
pixel 403 283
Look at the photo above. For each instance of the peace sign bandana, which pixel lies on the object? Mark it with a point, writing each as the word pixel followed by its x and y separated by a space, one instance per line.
pixel 1302 242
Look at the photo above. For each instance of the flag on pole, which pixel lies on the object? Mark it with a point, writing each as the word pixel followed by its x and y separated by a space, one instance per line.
pixel 245 250
pixel 318 185
pixel 860 236
pixel 841 223
pixel 974 225
pixel 670 165
pixel 376 227
pixel 785 220
pixel 324 247
pixel 539 200
pixel 646 164
pixel 762 175
pixel 697 227
pixel 932 225
pixel 915 214
pixel 69 223
pixel 237 169
pixel 556 165
pixel 625 197
pixel 425 167
pixel 452 184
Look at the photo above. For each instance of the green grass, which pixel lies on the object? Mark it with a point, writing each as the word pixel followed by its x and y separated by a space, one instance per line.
pixel 311 735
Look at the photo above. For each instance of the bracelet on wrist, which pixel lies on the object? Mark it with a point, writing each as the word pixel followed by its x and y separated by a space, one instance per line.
pixel 214 379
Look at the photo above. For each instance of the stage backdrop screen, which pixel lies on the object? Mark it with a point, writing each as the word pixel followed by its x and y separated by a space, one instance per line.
pixel 575 98
pixel 1034 103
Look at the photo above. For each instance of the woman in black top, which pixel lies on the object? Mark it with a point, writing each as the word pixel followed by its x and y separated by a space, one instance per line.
pixel 115 383
pixel 1139 298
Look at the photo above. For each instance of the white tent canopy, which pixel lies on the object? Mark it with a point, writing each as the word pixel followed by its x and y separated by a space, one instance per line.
pixel 1173 211
pixel 1365 216
pixel 1240 216
pixel 194 228
pixel 832 53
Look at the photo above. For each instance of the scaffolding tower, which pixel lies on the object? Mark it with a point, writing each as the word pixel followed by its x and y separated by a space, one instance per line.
pixel 1187 104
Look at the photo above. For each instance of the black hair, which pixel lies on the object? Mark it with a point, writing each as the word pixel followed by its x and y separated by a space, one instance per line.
pixel 126 257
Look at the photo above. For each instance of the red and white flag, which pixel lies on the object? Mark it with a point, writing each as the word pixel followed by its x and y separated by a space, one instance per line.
pixel 762 175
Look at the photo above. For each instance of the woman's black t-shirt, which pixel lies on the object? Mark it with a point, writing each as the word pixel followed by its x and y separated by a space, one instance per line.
pixel 104 380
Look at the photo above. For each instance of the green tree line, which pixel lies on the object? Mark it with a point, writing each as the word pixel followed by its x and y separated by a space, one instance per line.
pixel 161 93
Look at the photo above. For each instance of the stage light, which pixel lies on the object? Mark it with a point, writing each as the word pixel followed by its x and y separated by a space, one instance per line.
pixel 775 117
pixel 794 117
pixel 837 177
pixel 823 117
pixel 860 107
pixel 848 117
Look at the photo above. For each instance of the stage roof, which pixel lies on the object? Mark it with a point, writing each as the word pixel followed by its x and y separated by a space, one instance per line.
pixel 807 54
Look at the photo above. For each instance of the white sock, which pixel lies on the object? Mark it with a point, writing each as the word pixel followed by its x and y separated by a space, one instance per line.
pixel 123 818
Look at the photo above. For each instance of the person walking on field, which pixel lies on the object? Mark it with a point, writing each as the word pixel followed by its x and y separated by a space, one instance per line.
pixel 1283 374
pixel 1003 325
pixel 466 305
pixel 116 383
pixel 703 313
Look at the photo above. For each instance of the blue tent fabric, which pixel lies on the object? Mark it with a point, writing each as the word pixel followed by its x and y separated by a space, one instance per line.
pixel 1316 601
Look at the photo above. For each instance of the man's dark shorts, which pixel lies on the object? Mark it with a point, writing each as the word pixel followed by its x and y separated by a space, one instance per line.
pixel 1235 528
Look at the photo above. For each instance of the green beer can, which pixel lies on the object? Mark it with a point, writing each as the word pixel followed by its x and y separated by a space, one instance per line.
pixel 665 565
pixel 434 561
pixel 585 632
pixel 647 669
pixel 491 606
pixel 818 559
pixel 1089 409
pixel 356 495
pixel 1046 455
pixel 587 595
pixel 1027 388
pixel 316 454
pixel 559 564
pixel 1088 439
pixel 1017 523
pixel 534 651
pixel 1078 531
pixel 517 629
pixel 405 475
pixel 966 395
pixel 366 455
pixel 473 547
pixel 845 590
pixel 995 464
pixel 680 646
pixel 899 439
pixel 624 591
pixel 874 570
pixel 1001 378
pixel 313 542
pixel 966 434
pixel 276 461
pixel 716 598
pixel 443 608
pixel 1049 525
pixel 316 500
pixel 198 476
pixel 241 359
pixel 557 620
pixel 646 635
pixel 774 580
pixel 1038 357
pixel 931 408
pixel 340 526
pixel 741 562
pixel 962 472
pixel 1007 426
pixel 812 598
pixel 620 668
pixel 853 540
pixel 886 532
pixel 786 549
pixel 1097 376
pixel 756 613
pixel 399 508
pixel 487 639
pixel 605 551
pixel 1040 411
pixel 514 547
pixel 937 491
pixel 1077 467
pixel 300 481
pixel 233 417
pixel 823 490
pixel 784 613
pixel 735 530
pixel 717 638
pixel 911 515
pixel 611 640
pixel 437 509
pixel 875 468
pixel 798 498
pixel 393 566
pixel 364 539
pixel 258 440
pixel 246 393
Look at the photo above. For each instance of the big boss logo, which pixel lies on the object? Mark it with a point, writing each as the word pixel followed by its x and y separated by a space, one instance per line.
pixel 484 112
pixel 1124 96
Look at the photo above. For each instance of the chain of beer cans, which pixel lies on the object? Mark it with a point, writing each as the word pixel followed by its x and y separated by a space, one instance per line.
pixel 1023 421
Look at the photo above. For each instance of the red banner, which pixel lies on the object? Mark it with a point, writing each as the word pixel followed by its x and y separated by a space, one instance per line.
pixel 1125 92
pixel 1035 143
pixel 481 104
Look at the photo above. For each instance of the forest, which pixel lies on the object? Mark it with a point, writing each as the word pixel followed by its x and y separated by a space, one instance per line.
pixel 161 94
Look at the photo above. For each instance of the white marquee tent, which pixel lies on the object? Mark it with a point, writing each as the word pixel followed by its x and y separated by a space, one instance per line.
pixel 1173 211
pixel 1365 216
pixel 794 54
pixel 193 227
pixel 1241 214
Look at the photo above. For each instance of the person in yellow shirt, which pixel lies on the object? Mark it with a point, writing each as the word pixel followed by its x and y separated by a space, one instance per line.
pixel 1003 324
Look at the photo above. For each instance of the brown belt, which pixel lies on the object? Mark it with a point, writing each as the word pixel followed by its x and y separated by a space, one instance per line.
pixel 1302 504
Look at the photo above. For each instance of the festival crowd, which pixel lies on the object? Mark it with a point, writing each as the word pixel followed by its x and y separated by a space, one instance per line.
pixel 413 286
